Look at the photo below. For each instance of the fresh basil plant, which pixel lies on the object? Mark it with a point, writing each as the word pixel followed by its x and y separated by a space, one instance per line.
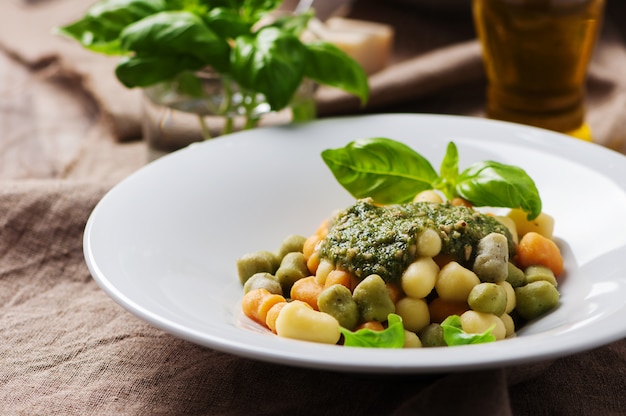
pixel 165 40
pixel 391 172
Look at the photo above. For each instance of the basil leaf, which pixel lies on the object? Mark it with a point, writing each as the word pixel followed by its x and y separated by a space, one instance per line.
pixel 495 184
pixel 139 71
pixel 232 4
pixel 329 65
pixel 272 63
pixel 176 33
pixel 100 27
pixel 253 10
pixel 383 169
pixel 390 337
pixel 448 172
pixel 453 333
pixel 227 23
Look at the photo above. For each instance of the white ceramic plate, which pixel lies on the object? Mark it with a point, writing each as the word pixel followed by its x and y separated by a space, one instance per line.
pixel 163 243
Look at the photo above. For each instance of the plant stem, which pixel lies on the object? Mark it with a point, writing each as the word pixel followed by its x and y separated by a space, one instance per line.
pixel 251 122
pixel 228 125
pixel 226 109
pixel 206 132
pixel 250 103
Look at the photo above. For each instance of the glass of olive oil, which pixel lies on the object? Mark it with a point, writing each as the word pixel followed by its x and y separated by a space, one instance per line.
pixel 536 54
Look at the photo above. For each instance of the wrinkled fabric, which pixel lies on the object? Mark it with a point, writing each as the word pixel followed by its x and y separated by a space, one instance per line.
pixel 69 132
pixel 66 348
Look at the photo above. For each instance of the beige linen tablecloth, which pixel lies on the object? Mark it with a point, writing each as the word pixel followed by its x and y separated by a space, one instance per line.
pixel 69 132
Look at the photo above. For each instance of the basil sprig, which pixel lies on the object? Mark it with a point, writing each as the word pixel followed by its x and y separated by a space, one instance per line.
pixel 159 40
pixel 391 172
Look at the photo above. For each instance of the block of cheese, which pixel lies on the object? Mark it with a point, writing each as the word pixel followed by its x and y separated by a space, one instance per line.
pixel 369 43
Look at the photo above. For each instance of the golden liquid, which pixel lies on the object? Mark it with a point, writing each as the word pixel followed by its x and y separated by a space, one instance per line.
pixel 536 54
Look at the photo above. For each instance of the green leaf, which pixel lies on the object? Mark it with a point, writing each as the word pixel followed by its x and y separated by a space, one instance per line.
pixel 232 4
pixel 144 71
pixel 253 10
pixel 453 333
pixel 495 184
pixel 383 169
pixel 329 65
pixel 227 23
pixel 390 337
pixel 272 63
pixel 167 43
pixel 101 26
pixel 448 172
pixel 176 33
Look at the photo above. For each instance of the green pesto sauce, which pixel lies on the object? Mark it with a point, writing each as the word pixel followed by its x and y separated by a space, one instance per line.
pixel 368 239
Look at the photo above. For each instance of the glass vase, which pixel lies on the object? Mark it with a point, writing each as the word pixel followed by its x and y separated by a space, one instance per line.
pixel 205 105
